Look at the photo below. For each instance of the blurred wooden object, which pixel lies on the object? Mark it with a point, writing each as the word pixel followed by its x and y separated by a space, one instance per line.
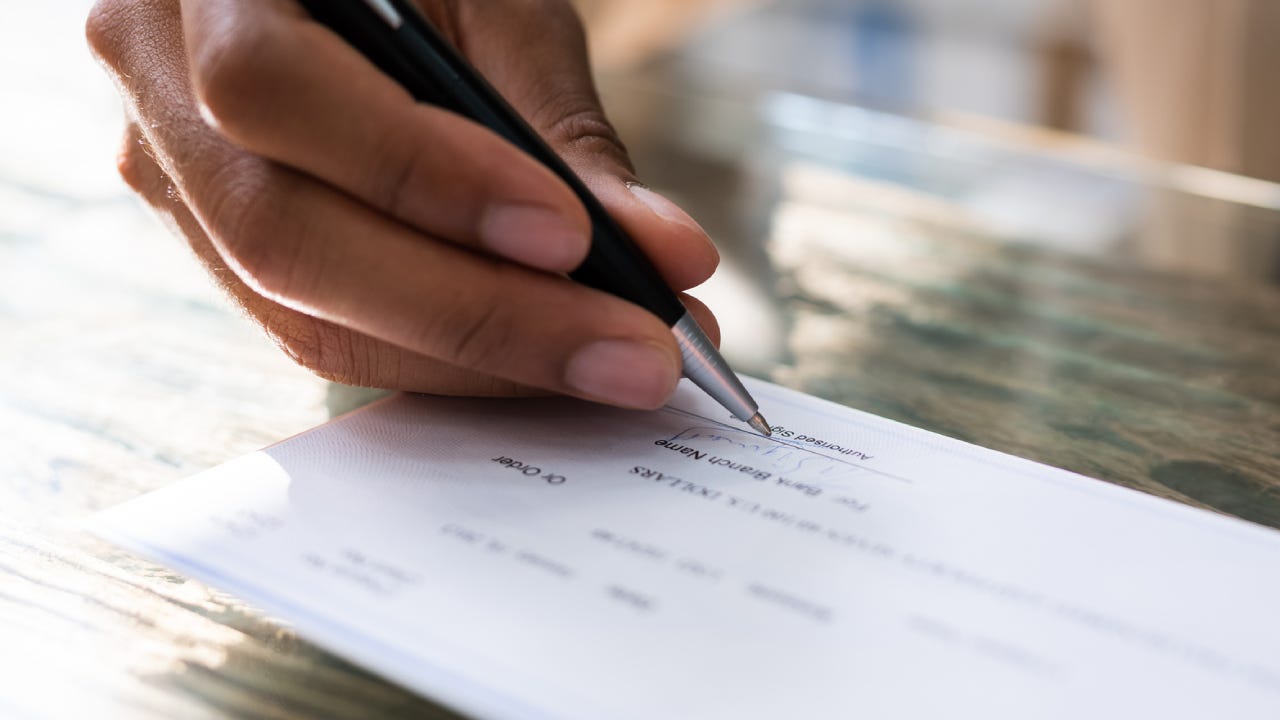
pixel 1196 79
pixel 1064 60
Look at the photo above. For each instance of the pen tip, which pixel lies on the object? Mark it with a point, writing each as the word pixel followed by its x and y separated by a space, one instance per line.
pixel 758 424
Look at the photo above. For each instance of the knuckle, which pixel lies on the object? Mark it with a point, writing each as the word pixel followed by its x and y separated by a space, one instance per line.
pixel 326 350
pixel 103 28
pixel 480 337
pixel 228 71
pixel 131 162
pixel 124 32
pixel 582 130
pixel 246 215
pixel 401 173
pixel 333 352
pixel 138 167
pixel 479 333
pixel 299 336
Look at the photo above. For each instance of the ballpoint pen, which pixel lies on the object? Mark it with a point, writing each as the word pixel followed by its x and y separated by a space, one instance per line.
pixel 396 37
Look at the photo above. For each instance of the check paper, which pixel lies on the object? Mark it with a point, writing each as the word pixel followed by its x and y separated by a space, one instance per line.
pixel 557 559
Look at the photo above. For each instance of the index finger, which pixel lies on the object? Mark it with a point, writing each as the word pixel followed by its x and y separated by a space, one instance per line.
pixel 285 87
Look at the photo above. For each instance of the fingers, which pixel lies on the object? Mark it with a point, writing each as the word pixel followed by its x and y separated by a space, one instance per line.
pixel 329 350
pixel 285 87
pixel 313 249
pixel 534 51
pixel 545 74
pixel 310 250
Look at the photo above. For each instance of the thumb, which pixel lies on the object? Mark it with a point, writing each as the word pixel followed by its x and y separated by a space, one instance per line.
pixel 535 55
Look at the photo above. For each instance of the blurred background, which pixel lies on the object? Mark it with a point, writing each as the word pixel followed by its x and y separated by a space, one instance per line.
pixel 1137 133
pixel 1183 80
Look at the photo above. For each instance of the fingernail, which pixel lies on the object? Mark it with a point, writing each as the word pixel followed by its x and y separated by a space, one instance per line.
pixel 663 207
pixel 669 211
pixel 623 372
pixel 534 236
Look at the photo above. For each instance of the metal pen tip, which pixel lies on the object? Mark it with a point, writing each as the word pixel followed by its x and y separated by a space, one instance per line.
pixel 758 424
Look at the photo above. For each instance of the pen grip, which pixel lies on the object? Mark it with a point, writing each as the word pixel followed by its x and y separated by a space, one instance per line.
pixel 417 57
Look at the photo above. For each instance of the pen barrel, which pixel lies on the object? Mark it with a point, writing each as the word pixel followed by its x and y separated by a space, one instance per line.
pixel 709 371
pixel 614 264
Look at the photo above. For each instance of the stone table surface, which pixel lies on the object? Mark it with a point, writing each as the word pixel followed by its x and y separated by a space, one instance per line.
pixel 1123 323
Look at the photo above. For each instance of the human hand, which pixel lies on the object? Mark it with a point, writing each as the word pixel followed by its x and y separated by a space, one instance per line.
pixel 386 243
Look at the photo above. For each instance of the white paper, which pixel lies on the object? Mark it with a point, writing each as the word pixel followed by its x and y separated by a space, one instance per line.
pixel 551 558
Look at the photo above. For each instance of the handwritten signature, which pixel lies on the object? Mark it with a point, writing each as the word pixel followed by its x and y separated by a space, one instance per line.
pixel 782 456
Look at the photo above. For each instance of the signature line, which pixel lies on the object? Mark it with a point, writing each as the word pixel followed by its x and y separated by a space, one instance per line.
pixel 756 436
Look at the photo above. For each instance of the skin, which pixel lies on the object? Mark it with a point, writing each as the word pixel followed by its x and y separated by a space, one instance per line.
pixel 385 243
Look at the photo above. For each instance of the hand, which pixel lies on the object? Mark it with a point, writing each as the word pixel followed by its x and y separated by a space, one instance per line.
pixel 387 243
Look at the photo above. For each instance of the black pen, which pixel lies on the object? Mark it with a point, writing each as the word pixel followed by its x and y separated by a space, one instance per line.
pixel 395 36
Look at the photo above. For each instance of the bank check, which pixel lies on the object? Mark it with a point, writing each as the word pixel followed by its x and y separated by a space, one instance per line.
pixel 556 559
